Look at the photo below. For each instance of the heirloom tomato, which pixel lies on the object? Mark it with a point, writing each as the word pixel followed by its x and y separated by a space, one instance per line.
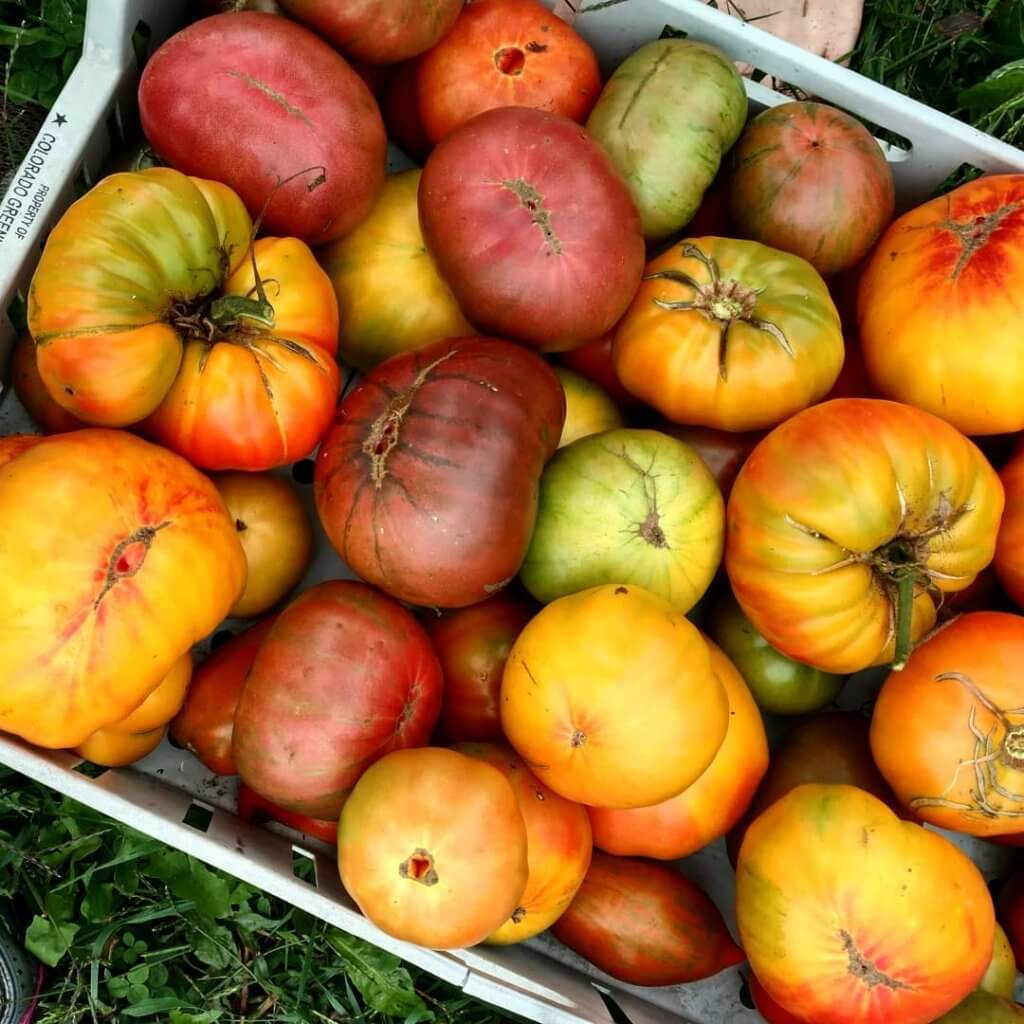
pixel 145 303
pixel 93 617
pixel 948 731
pixel 377 31
pixel 626 506
pixel 941 278
pixel 666 117
pixel 593 727
pixel 1010 908
pixel 729 334
pixel 343 676
pixel 558 844
pixel 532 228
pixel 432 847
pixel 426 484
pixel 722 451
pixel 472 644
pixel 838 911
pixel 847 524
pixel 505 53
pixel 588 410
pixel 1009 560
pixel 140 731
pixel 766 1006
pixel 276 534
pixel 827 748
pixel 779 684
pixel 593 360
pixel 1001 976
pixel 205 724
pixel 253 807
pixel 402 113
pixel 28 385
pixel 14 445
pixel 390 296
pixel 645 924
pixel 984 1008
pixel 707 808
pixel 810 179
pixel 261 104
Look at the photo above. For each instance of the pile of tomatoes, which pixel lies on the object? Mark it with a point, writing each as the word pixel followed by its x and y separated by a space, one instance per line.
pixel 663 428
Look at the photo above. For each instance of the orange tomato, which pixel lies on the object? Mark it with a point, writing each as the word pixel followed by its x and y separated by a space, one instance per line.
pixel 206 723
pixel 432 847
pixel 93 617
pixel 593 726
pixel 847 524
pixel 144 305
pixel 709 807
pixel 948 731
pixel 558 842
pixel 31 391
pixel 849 915
pixel 276 534
pixel 13 445
pixel 1009 559
pixel 141 731
pixel 940 279
pixel 729 334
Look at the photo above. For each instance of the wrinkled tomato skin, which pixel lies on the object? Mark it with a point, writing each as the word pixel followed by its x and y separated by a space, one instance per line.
pixel 427 482
pixel 250 99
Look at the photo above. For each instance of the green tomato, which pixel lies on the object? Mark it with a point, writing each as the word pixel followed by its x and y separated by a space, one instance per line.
pixel 984 1008
pixel 779 684
pixel 626 506
pixel 666 117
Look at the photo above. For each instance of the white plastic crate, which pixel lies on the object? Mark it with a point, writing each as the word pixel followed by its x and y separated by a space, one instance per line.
pixel 541 980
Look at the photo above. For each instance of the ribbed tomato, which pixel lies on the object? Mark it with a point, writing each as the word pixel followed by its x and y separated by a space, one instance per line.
pixel 849 915
pixel 849 521
pixel 948 731
pixel 505 53
pixel 729 334
pixel 707 808
pixel 941 278
pixel 28 385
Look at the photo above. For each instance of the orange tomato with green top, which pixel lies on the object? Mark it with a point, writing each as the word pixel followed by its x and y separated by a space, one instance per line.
pixel 948 731
pixel 848 523
pixel 148 304
pixel 940 324
pixel 558 840
pixel 93 618
pixel 709 807
pixel 729 334
pixel 849 915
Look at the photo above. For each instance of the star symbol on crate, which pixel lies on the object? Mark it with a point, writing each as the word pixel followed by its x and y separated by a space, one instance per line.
pixel 60 119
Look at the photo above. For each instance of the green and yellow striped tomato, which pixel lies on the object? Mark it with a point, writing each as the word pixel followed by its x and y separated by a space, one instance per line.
pixel 626 506
pixel 391 297
pixel 666 117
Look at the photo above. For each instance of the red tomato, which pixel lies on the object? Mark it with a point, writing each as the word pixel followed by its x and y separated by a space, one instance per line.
pixel 402 115
pixel 506 53
pixel 1010 911
pixel 206 721
pixel 723 451
pixel 766 1006
pixel 427 483
pixel 593 360
pixel 472 645
pixel 250 99
pixel 344 676
pixel 377 31
pixel 253 807
pixel 1009 560
pixel 532 228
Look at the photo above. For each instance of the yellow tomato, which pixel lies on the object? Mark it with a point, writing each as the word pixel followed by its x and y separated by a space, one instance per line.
pixel 588 410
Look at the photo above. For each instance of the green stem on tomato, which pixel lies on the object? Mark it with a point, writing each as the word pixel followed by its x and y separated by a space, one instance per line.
pixel 904 617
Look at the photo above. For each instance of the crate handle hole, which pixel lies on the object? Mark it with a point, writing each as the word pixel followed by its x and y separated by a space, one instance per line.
pixel 90 770
pixel 304 866
pixel 198 816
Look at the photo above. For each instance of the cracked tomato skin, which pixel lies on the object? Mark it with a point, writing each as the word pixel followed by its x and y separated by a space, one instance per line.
pixel 939 322
pixel 959 699
pixel 593 727
pixel 838 909
pixel 250 99
pixel 92 618
pixel 427 482
pixel 343 676
pixel 675 359
pixel 823 498
pixel 122 309
pixel 532 228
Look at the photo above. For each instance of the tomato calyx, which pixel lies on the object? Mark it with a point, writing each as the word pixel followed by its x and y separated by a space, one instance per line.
pixel 722 300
